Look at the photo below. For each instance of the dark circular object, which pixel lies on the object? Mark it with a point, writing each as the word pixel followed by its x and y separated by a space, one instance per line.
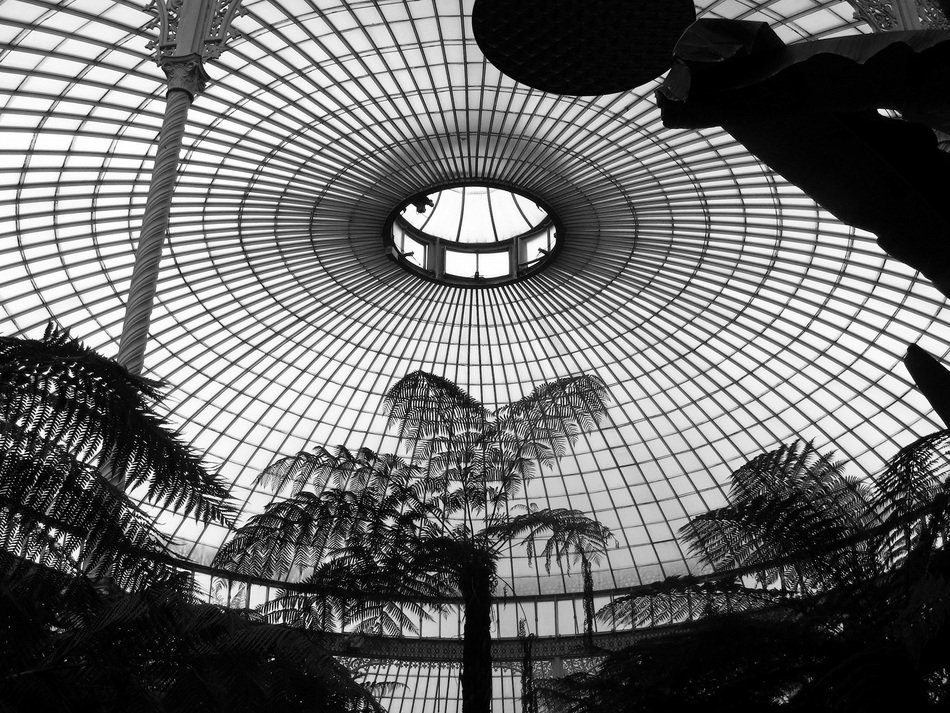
pixel 581 47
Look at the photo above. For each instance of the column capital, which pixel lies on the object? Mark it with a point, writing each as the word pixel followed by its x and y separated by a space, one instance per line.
pixel 190 32
pixel 187 73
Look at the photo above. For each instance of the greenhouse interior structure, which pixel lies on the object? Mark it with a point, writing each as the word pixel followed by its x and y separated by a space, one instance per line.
pixel 651 416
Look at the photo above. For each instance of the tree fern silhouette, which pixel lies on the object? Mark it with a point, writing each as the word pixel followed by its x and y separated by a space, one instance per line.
pixel 786 506
pixel 849 609
pixel 388 538
pixel 65 414
pixel 65 644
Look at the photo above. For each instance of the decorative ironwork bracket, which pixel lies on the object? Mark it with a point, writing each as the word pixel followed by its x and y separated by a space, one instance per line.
pixel 884 15
pixel 190 32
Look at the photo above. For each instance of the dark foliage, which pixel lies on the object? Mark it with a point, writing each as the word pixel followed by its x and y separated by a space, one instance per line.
pixel 92 617
pixel 65 646
pixel 728 663
pixel 76 431
pixel 833 596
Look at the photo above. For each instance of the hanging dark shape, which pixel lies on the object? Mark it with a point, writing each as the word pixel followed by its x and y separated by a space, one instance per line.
pixel 932 378
pixel 811 112
pixel 580 47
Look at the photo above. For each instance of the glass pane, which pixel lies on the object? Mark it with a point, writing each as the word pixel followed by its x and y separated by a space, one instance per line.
pixel 414 251
pixel 531 248
pixel 492 265
pixel 460 264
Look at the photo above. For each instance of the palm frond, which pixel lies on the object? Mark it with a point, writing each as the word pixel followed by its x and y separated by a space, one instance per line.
pixel 290 535
pixel 789 504
pixel 383 689
pixel 373 497
pixel 59 391
pixel 298 470
pixel 61 512
pixel 582 399
pixel 568 533
pixel 359 593
pixel 423 405
pixel 540 428
pixel 555 413
pixel 354 541
pixel 915 475
pixel 681 599
pixel 912 495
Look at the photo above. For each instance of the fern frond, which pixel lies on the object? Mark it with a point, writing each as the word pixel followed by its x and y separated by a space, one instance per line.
pixel 569 533
pixel 681 599
pixel 790 504
pixel 915 475
pixel 59 391
pixel 424 405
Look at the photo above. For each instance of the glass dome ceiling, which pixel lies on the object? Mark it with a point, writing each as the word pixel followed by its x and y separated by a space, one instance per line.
pixel 725 310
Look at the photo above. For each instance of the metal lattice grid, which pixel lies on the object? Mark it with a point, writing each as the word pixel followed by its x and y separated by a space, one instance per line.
pixel 725 310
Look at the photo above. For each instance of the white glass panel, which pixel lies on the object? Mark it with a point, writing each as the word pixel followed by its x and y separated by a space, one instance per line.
pixel 492 265
pixel 460 264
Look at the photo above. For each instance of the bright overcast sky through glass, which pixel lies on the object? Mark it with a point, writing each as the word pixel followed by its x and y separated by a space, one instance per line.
pixel 476 214
pixel 725 310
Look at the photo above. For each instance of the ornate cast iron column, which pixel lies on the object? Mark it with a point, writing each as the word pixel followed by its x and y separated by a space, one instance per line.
pixel 190 32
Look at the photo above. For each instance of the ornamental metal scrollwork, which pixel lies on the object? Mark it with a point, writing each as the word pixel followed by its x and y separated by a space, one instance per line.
pixel 165 20
pixel 932 15
pixel 198 28
pixel 882 14
pixel 220 30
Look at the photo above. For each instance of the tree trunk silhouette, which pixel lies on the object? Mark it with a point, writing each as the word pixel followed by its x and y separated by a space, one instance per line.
pixel 476 581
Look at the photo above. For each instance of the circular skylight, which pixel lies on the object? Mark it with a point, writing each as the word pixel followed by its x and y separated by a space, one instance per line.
pixel 472 234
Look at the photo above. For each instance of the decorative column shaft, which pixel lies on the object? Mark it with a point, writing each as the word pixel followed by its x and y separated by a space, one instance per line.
pixel 190 32
pixel 148 254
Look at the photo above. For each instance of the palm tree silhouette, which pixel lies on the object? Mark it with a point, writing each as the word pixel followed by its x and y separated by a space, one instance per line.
pixel 145 642
pixel 386 539
pixel 67 414
pixel 828 593
pixel 785 507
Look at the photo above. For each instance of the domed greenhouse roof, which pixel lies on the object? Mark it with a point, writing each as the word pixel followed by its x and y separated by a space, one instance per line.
pixel 726 312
